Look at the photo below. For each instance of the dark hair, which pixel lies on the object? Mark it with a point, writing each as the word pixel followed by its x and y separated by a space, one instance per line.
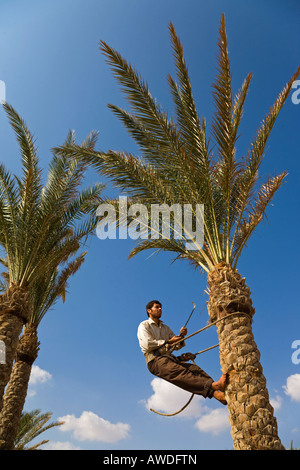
pixel 150 305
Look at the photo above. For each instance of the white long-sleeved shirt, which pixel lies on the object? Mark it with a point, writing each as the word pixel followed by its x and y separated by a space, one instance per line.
pixel 152 336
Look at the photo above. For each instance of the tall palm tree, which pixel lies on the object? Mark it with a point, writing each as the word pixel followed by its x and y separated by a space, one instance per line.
pixel 44 294
pixel 41 227
pixel 179 166
pixel 32 424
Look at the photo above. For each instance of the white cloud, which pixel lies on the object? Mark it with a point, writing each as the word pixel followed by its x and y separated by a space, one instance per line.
pixel 292 387
pixel 276 402
pixel 92 427
pixel 31 393
pixel 39 375
pixel 60 446
pixel 167 398
pixel 214 422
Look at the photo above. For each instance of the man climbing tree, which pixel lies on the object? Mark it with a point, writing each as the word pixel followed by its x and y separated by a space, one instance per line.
pixel 157 342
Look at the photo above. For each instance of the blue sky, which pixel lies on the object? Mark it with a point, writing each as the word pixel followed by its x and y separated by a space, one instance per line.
pixel 90 371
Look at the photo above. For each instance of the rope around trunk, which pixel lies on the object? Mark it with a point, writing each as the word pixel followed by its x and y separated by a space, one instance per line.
pixel 208 326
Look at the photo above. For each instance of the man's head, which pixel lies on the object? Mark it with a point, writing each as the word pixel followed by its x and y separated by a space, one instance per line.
pixel 154 308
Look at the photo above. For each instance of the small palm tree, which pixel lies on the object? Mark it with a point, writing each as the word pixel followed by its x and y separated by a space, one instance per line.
pixel 179 166
pixel 32 424
pixel 44 294
pixel 41 227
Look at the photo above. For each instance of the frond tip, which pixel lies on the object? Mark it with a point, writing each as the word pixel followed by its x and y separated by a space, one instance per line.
pixel 257 212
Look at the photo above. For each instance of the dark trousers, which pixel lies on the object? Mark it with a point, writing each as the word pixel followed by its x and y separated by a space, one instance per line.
pixel 185 375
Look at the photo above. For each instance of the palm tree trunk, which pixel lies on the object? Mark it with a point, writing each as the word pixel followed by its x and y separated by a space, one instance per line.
pixel 16 391
pixel 14 312
pixel 253 425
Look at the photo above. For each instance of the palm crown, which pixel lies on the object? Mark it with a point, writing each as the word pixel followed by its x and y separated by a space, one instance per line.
pixel 177 164
pixel 42 226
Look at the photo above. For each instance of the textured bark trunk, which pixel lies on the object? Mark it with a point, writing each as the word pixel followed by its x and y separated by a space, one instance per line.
pixel 16 391
pixel 14 312
pixel 253 425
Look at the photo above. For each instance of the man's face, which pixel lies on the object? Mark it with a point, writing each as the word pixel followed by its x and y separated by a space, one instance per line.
pixel 155 312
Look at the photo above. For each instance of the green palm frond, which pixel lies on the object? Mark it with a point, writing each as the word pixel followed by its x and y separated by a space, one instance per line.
pixel 187 117
pixel 47 289
pixel 225 126
pixel 30 185
pixel 156 134
pixel 146 110
pixel 9 202
pixel 256 213
pixel 32 425
pixel 193 131
pixel 249 175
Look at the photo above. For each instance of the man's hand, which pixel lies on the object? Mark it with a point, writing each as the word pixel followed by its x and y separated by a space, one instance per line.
pixel 187 357
pixel 174 339
pixel 183 331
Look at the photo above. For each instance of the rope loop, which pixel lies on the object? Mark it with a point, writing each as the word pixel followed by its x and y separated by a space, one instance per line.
pixel 176 412
pixel 200 352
